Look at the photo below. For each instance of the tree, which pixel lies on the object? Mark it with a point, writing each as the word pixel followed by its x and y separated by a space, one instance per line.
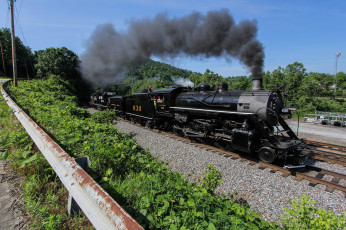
pixel 274 80
pixel 239 83
pixel 209 77
pixel 294 74
pixel 341 80
pixel 57 61
pixel 317 85
pixel 196 79
pixel 25 58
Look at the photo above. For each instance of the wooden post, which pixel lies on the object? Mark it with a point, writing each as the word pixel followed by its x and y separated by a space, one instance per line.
pixel 13 38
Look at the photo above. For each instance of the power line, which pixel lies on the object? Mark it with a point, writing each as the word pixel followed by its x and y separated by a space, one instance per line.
pixel 18 22
pixel 7 15
pixel 20 7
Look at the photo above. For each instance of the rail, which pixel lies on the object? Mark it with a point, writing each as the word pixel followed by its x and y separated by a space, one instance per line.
pixel 102 211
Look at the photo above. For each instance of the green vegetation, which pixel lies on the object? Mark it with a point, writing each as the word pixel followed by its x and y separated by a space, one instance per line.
pixel 57 61
pixel 156 197
pixel 25 58
pixel 152 194
pixel 304 215
pixel 45 196
pixel 154 69
pixel 311 92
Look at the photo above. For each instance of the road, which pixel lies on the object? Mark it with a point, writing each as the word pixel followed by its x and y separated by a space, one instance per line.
pixel 318 132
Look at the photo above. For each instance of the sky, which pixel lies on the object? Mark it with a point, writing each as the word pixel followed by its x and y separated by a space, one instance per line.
pixel 308 31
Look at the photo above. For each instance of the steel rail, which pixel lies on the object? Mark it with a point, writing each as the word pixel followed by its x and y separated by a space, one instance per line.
pixel 330 159
pixel 99 207
pixel 326 145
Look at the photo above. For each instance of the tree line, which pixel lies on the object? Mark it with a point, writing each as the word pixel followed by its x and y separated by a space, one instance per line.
pixel 310 91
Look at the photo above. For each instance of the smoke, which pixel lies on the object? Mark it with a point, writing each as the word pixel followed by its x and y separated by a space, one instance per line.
pixel 215 34
pixel 183 82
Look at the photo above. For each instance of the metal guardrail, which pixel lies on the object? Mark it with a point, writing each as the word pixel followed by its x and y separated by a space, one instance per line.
pixel 102 211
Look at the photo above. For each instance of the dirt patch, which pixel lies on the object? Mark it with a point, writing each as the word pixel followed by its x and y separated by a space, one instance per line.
pixel 12 204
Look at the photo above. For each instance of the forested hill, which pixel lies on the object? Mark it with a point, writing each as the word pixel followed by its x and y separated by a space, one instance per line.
pixel 155 69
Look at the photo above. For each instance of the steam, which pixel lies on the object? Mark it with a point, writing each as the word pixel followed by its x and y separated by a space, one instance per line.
pixel 183 82
pixel 215 34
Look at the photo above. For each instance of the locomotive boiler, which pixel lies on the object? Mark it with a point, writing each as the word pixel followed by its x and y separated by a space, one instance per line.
pixel 249 121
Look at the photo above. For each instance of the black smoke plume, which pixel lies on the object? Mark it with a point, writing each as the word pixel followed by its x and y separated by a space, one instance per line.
pixel 215 34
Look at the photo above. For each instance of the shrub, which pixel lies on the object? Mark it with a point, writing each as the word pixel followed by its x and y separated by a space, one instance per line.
pixel 304 215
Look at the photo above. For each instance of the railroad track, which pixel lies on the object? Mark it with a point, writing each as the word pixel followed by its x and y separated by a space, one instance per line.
pixel 326 146
pixel 299 174
pixel 328 152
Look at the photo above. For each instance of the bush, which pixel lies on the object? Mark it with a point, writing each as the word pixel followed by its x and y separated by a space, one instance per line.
pixel 105 116
pixel 304 215
pixel 212 179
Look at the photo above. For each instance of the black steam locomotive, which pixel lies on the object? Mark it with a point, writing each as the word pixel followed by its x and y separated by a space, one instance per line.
pixel 248 121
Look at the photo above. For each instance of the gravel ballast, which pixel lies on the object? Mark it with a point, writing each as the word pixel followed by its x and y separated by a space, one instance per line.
pixel 265 191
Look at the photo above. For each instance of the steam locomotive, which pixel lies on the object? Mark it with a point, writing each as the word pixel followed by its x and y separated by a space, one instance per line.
pixel 248 121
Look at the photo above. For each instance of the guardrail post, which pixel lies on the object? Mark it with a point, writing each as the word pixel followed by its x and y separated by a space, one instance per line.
pixel 72 206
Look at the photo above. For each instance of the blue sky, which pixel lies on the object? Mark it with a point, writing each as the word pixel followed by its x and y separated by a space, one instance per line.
pixel 307 31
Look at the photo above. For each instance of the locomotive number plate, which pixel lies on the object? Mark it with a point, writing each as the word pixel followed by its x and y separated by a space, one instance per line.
pixel 137 108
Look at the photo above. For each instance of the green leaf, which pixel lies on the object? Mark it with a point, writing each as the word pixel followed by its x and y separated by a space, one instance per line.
pixel 143 212
pixel 5 155
pixel 109 172
pixel 28 161
pixel 191 202
pixel 211 226
pixel 199 214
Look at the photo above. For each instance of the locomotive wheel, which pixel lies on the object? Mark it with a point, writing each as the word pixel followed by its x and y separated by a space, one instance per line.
pixel 267 155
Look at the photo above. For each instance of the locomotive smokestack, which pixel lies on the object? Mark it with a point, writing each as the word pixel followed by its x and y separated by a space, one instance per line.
pixel 215 34
pixel 257 82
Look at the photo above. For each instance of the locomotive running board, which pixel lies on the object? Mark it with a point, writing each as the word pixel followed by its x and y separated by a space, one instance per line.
pixel 132 114
pixel 211 111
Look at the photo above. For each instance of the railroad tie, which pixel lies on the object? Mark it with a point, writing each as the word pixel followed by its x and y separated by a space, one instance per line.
pixel 328 189
pixel 336 180
pixel 319 176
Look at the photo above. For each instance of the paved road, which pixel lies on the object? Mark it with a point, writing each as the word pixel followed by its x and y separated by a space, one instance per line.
pixel 3 80
pixel 318 132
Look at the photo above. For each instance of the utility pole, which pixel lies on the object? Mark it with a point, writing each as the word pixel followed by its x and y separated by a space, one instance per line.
pixel 336 72
pixel 14 60
pixel 3 61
